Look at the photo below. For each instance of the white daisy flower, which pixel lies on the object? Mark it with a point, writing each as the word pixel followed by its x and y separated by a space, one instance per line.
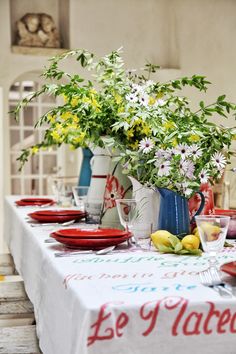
pixel 160 102
pixel 160 154
pixel 219 160
pixel 195 151
pixel 163 168
pixel 146 145
pixel 131 97
pixel 171 151
pixel 137 89
pixel 187 168
pixel 144 99
pixel 183 150
pixel 187 191
pixel 204 176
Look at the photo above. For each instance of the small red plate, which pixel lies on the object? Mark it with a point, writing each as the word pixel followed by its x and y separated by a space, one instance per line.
pixel 56 218
pixel 34 201
pixel 90 243
pixel 94 234
pixel 229 268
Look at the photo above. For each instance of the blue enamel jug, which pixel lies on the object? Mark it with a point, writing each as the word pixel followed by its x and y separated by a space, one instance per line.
pixel 85 172
pixel 174 212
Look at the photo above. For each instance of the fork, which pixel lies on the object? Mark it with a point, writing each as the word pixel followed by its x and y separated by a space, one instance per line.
pixel 212 278
pixel 67 223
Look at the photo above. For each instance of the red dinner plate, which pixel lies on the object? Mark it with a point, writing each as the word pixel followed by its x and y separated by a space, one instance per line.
pixel 90 243
pixel 37 200
pixel 229 268
pixel 94 234
pixel 59 212
pixel 56 218
pixel 34 201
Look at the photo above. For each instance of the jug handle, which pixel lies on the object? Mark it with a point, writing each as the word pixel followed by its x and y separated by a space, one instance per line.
pixel 200 207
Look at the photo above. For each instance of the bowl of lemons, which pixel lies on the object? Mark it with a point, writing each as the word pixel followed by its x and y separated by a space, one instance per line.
pixel 166 242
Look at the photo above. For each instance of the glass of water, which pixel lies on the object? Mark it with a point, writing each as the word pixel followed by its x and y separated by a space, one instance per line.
pixel 212 230
pixel 80 196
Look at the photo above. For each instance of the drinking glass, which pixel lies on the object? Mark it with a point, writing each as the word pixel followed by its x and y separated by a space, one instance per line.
pixel 65 196
pixel 127 210
pixel 93 209
pixel 212 230
pixel 80 196
pixel 57 186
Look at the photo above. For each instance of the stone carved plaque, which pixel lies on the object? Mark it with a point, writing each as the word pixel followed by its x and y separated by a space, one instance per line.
pixel 37 30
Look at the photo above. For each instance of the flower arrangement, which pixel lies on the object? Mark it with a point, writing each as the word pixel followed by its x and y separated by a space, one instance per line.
pixel 163 142
pixel 183 149
pixel 90 106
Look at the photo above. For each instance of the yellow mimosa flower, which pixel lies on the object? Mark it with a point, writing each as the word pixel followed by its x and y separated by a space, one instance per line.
pixel 169 125
pixel 137 122
pixel 58 126
pixel 74 101
pixel 151 101
pixel 52 119
pixel 134 145
pixel 194 138
pixel 79 139
pixel 34 150
pixel 146 129
pixel 56 136
pixel 65 115
pixel 86 100
pixel 118 98
pixel 121 109
pixel 130 133
pixel 65 98
pixel 174 142
pixel 73 126
pixel 93 91
pixel 95 103
pixel 75 118
pixel 159 95
pixel 64 130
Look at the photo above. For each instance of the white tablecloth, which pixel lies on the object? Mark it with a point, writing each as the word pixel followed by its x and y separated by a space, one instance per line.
pixel 126 303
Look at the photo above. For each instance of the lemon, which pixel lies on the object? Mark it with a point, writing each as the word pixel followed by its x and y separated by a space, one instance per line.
pixel 161 237
pixel 190 242
pixel 196 232
pixel 211 231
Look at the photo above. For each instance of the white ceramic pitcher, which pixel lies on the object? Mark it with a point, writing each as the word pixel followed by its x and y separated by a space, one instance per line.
pixel 107 184
pixel 100 165
pixel 148 209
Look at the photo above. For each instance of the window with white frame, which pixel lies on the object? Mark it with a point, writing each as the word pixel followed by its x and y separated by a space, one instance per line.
pixel 33 178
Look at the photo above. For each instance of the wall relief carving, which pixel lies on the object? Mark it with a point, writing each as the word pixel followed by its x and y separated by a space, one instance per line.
pixel 37 30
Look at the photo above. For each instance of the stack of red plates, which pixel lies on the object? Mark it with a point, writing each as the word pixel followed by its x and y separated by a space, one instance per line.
pixel 57 215
pixel 34 201
pixel 92 239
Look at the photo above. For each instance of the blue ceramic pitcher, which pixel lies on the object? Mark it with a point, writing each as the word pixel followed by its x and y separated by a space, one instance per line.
pixel 174 212
pixel 85 172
